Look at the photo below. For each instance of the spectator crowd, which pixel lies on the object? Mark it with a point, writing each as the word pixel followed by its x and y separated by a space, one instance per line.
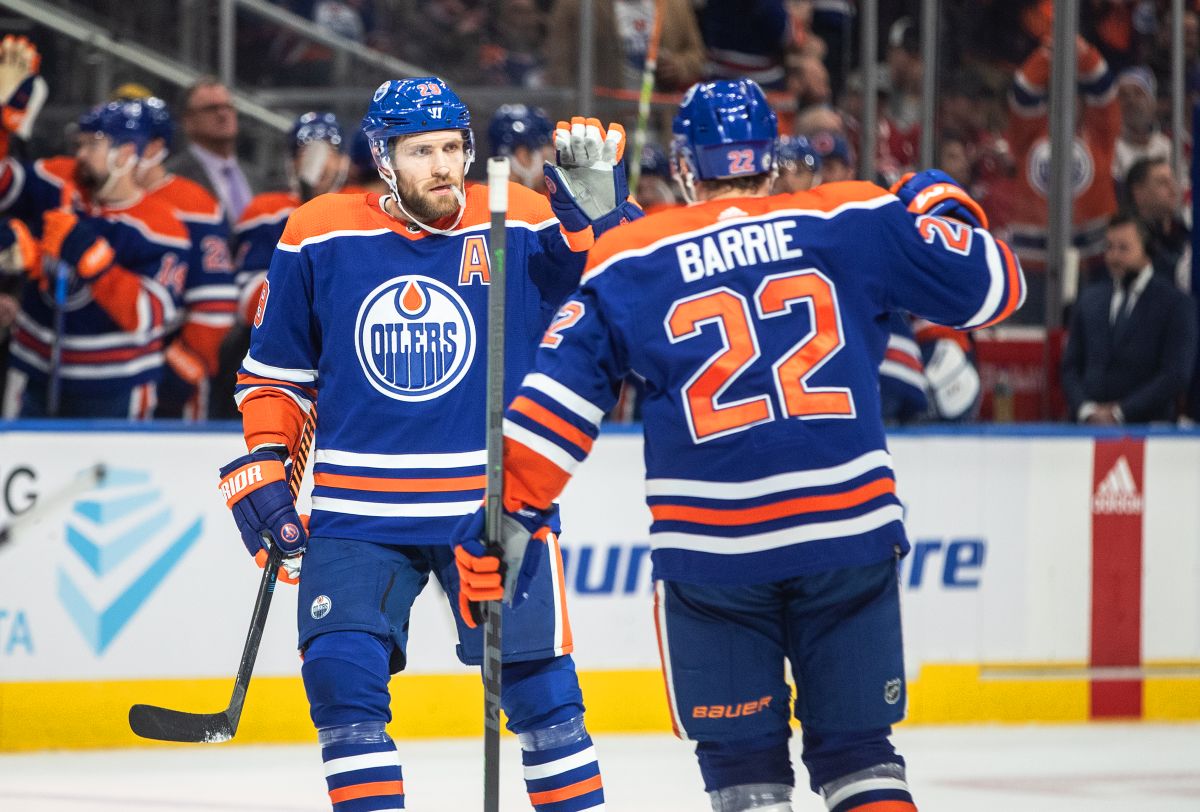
pixel 1130 352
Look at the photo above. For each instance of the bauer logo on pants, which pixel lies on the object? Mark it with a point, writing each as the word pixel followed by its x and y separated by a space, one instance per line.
pixel 415 338
pixel 320 607
pixel 891 691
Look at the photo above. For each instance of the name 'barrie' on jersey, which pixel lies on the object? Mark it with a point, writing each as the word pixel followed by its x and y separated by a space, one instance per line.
pixel 755 323
pixel 395 360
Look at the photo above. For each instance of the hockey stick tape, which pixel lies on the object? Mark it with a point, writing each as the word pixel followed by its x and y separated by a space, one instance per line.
pixel 497 174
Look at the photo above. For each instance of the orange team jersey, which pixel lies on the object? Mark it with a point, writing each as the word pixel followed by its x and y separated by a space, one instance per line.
pixel 1092 155
pixel 115 325
pixel 210 295
pixel 386 326
pixel 256 234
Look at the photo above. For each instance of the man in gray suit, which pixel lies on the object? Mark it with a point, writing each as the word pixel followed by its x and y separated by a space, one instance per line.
pixel 1132 345
pixel 211 125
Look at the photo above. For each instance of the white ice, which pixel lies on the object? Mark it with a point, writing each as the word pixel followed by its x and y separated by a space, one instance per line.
pixel 1098 768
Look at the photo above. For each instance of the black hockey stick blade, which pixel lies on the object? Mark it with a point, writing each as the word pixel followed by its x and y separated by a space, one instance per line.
pixel 164 724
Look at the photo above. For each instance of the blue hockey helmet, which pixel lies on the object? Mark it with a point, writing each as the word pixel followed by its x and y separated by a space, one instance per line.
pixel 161 125
pixel 724 129
pixel 407 106
pixel 124 122
pixel 517 125
pixel 797 151
pixel 315 126
pixel 655 162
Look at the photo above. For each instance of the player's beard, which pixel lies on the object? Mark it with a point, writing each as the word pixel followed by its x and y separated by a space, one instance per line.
pixel 426 206
pixel 86 180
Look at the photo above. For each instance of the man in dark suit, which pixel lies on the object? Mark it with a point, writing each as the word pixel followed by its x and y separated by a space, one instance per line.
pixel 1132 343
pixel 210 158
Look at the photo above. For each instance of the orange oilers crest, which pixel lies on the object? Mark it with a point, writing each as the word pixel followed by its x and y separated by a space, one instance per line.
pixel 474 261
pixel 412 300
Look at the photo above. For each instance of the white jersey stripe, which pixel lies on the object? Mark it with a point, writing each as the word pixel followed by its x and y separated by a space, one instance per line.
pixel 301 376
pixel 541 445
pixel 392 510
pixel 736 545
pixel 90 371
pixel 778 483
pixel 564 397
pixel 556 596
pixel 664 653
pixel 866 785
pixel 366 761
pixel 894 369
pixel 535 771
pixel 904 345
pixel 462 459
pixel 995 295
pixel 304 403
pixel 99 341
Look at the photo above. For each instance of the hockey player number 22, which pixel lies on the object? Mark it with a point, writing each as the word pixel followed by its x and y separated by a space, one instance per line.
pixel 776 297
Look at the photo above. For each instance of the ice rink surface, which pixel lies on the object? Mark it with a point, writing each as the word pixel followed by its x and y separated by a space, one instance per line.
pixel 1098 768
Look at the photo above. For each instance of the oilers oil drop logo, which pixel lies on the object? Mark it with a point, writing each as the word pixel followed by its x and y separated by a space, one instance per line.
pixel 415 338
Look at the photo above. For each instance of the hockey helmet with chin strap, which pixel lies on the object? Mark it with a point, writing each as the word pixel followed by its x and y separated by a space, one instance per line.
pixel 723 129
pixel 408 106
pixel 126 121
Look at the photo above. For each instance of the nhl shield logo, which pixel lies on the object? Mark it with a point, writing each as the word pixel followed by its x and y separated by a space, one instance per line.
pixel 891 691
pixel 415 338
pixel 320 607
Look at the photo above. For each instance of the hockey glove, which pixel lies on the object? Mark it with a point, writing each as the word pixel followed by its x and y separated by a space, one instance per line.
pixel 22 91
pixel 936 193
pixel 486 574
pixel 588 190
pixel 20 253
pixel 255 488
pixel 77 242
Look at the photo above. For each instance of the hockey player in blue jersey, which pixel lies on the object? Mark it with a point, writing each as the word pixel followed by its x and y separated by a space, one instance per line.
pixel 526 137
pixel 126 255
pixel 758 324
pixel 375 308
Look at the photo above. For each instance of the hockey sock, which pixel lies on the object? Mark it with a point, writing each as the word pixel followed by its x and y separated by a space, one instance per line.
pixel 881 788
pixel 753 798
pixel 561 770
pixel 362 768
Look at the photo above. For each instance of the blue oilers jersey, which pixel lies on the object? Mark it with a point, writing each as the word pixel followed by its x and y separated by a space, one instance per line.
pixel 385 327
pixel 758 326
pixel 114 326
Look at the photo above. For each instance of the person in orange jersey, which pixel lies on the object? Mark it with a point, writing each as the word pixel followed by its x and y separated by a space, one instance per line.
pixel 122 259
pixel 375 307
pixel 759 323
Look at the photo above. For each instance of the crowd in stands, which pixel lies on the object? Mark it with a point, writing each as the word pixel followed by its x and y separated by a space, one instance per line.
pixel 992 138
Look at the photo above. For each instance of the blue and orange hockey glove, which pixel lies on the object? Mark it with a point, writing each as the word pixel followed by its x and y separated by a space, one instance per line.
pixel 255 488
pixel 22 91
pixel 486 574
pixel 76 241
pixel 588 189
pixel 20 253
pixel 936 193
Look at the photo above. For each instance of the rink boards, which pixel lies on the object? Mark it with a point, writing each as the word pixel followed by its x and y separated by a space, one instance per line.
pixel 1053 578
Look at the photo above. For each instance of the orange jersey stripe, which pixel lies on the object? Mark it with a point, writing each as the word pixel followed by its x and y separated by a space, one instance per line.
pixel 901 357
pixel 671 222
pixel 778 510
pixel 886 806
pixel 530 480
pixel 550 420
pixel 566 793
pixel 370 790
pixel 1014 285
pixel 269 416
pixel 568 639
pixel 386 485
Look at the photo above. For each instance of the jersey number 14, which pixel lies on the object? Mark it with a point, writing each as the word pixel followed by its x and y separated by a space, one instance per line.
pixel 776 297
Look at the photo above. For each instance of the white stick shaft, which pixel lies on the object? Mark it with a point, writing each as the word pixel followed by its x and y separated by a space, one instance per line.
pixel 497 173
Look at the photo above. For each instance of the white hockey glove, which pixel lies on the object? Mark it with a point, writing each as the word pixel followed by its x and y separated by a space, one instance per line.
pixel 953 381
pixel 22 91
pixel 588 190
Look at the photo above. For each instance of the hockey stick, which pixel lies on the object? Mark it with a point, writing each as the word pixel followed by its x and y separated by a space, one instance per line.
pixel 83 481
pixel 62 273
pixel 164 724
pixel 643 119
pixel 497 171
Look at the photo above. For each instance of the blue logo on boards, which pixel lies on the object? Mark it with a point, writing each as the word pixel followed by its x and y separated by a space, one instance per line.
pixel 123 534
pixel 415 338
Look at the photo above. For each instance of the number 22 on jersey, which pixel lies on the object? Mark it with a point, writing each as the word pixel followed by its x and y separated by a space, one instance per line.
pixel 777 296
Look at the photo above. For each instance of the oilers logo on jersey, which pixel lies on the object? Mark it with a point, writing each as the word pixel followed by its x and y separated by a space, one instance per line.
pixel 415 338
